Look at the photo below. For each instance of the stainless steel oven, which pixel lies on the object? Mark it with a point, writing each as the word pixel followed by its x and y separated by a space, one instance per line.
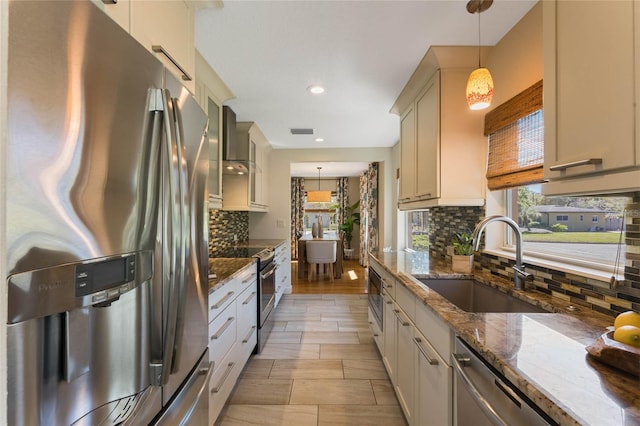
pixel 374 290
pixel 266 296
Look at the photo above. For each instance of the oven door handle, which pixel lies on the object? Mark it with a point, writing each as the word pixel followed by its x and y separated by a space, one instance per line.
pixel 269 272
pixel 459 361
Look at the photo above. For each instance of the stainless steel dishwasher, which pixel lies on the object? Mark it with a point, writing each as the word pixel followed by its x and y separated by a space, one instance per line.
pixel 483 397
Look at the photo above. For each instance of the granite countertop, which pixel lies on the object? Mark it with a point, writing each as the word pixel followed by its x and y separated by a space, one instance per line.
pixel 273 243
pixel 225 269
pixel 542 354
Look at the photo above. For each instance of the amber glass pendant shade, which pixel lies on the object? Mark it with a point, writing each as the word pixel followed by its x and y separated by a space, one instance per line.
pixel 479 89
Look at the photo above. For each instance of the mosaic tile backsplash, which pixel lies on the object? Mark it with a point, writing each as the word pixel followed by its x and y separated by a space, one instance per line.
pixel 223 225
pixel 445 222
pixel 582 291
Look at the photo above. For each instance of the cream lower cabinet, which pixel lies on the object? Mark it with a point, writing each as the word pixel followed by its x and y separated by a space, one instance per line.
pixel 389 355
pixel 283 272
pixel 591 118
pixel 415 348
pixel 405 376
pixel 233 321
pixel 433 378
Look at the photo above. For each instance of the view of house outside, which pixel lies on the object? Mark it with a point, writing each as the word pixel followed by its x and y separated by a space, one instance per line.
pixel 585 228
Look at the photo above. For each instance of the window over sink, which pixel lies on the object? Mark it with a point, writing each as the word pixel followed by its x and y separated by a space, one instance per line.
pixel 559 227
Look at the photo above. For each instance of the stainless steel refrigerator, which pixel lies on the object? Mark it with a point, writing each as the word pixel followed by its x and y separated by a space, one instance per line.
pixel 106 227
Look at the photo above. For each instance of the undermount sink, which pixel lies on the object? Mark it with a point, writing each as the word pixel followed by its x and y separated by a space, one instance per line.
pixel 472 296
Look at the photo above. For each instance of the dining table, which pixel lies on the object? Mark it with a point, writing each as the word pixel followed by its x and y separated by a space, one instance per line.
pixel 303 265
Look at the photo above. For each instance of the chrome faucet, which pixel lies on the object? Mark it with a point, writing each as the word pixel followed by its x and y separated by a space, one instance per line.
pixel 520 275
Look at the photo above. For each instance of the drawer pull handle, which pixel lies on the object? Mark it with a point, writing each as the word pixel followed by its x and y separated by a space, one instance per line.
pixel 251 277
pixel 405 323
pixel 430 360
pixel 222 329
pixel 251 296
pixel 224 378
pixel 223 300
pixel 246 339
pixel 159 49
pixel 561 167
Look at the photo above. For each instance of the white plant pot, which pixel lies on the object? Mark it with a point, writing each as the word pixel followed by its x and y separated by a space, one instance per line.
pixel 462 264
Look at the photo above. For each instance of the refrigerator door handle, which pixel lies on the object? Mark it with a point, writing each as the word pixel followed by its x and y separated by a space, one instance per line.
pixel 171 289
pixel 185 234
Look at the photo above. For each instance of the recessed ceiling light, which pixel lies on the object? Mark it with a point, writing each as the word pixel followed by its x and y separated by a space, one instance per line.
pixel 315 89
pixel 319 140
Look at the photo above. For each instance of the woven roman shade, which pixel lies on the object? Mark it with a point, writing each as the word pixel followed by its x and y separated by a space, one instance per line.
pixel 516 140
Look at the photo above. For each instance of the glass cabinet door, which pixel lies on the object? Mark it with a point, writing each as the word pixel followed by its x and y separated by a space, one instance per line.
pixel 213 111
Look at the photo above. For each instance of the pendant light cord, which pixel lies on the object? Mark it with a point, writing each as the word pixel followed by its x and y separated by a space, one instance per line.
pixel 479 43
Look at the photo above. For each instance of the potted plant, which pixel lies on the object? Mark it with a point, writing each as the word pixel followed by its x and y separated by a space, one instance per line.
pixel 462 260
pixel 351 218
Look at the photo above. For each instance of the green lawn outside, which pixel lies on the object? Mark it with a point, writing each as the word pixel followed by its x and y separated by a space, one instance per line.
pixel 574 237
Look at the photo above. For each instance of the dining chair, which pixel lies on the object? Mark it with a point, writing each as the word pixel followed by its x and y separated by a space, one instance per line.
pixel 321 253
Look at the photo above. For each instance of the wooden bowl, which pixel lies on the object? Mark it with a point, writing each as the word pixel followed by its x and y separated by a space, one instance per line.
pixel 619 355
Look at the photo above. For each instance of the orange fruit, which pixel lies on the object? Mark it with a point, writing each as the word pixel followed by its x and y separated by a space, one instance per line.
pixel 627 318
pixel 627 334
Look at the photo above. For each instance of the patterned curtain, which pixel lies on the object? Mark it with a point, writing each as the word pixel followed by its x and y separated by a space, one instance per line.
pixel 297 213
pixel 368 213
pixel 372 207
pixel 364 220
pixel 342 197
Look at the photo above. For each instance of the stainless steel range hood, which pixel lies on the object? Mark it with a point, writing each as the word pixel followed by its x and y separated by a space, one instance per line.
pixel 235 156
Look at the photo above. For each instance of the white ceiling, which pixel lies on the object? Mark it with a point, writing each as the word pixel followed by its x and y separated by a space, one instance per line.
pixel 363 52
pixel 329 169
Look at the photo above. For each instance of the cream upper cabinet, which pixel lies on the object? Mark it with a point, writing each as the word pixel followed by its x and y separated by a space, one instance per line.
pixel 591 70
pixel 407 155
pixel 166 28
pixel 442 147
pixel 248 192
pixel 118 11
pixel 211 92
pixel 427 141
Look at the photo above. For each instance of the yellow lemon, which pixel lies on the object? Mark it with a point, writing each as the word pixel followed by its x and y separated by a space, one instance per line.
pixel 627 334
pixel 627 318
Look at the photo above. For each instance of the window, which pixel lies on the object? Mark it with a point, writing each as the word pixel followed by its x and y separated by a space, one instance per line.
pixel 418 230
pixel 516 137
pixel 312 211
pixel 573 239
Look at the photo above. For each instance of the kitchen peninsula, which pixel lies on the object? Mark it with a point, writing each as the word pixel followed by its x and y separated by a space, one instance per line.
pixel 543 355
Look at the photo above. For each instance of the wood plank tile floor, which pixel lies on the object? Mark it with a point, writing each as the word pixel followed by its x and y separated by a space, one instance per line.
pixel 352 281
pixel 320 366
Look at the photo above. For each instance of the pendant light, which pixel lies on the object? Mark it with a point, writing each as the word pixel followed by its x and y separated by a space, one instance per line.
pixel 480 83
pixel 319 196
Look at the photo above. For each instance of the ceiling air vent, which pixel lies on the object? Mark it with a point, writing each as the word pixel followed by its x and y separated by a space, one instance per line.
pixel 301 131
